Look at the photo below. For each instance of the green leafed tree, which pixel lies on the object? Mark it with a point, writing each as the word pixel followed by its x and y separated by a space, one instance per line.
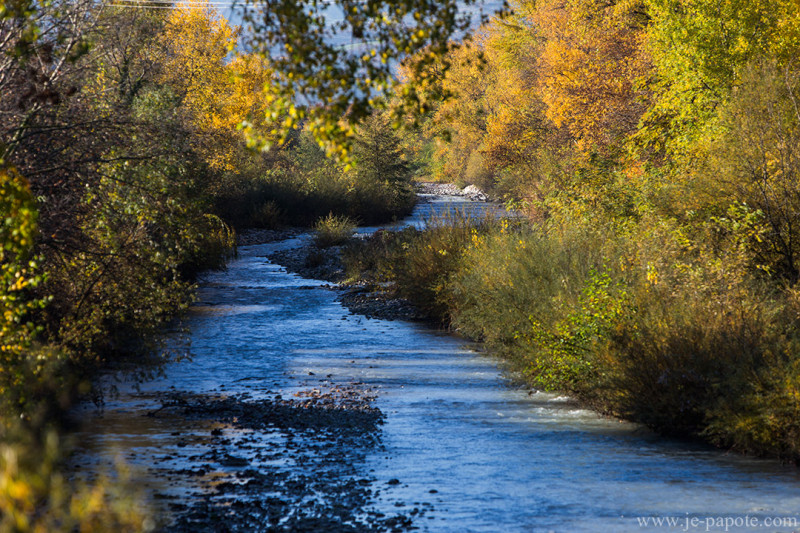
pixel 333 59
pixel 699 49
pixel 380 162
pixel 379 153
pixel 19 275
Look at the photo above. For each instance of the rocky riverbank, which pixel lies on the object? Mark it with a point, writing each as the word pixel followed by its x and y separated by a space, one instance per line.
pixel 262 461
pixel 325 264
pixel 470 192
pixel 253 236
pixel 312 262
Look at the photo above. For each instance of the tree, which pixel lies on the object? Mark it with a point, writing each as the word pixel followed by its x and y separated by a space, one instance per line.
pixel 520 139
pixel 39 48
pixel 218 94
pixel 329 71
pixel 458 125
pixel 379 155
pixel 699 49
pixel 592 64
pixel 756 162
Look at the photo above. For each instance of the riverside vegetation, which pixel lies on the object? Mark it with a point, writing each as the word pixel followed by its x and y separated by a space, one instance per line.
pixel 653 146
pixel 123 174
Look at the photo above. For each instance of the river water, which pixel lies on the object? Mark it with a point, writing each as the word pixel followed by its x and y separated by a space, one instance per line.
pixel 461 448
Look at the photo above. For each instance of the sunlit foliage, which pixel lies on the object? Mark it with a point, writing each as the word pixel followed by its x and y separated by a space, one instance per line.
pixel 699 49
pixel 36 497
pixel 20 274
pixel 219 92
pixel 653 144
pixel 591 63
pixel 333 60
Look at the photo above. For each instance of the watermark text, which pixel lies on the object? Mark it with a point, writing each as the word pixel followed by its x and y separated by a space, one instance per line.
pixel 719 523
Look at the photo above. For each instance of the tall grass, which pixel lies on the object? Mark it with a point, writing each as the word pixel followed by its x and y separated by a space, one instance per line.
pixel 419 264
pixel 333 230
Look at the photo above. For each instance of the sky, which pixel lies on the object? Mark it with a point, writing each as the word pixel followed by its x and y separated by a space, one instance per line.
pixel 233 13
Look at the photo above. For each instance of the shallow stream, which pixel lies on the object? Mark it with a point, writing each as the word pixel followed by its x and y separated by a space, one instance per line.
pixel 460 449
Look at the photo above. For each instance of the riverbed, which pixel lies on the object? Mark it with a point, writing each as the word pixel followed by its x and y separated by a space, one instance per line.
pixel 293 414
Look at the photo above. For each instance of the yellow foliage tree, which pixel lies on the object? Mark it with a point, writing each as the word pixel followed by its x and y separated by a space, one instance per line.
pixel 557 82
pixel 699 49
pixel 592 62
pixel 463 117
pixel 219 92
pixel 518 133
pixel 19 276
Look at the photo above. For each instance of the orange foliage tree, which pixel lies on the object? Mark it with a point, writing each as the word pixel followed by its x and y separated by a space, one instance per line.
pixel 220 92
pixel 592 64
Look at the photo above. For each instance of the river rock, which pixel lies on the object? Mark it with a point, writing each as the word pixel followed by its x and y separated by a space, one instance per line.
pixel 475 194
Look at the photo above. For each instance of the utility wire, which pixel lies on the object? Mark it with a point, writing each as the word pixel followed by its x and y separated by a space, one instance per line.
pixel 169 4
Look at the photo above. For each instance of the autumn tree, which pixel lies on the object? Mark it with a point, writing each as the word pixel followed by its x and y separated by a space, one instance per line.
pixel 700 49
pixel 593 68
pixel 521 142
pixel 458 125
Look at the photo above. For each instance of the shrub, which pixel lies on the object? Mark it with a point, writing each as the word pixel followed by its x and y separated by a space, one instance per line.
pixel 215 244
pixel 418 264
pixel 756 162
pixel 540 298
pixel 657 322
pixel 19 274
pixel 297 184
pixel 710 353
pixel 36 497
pixel 333 230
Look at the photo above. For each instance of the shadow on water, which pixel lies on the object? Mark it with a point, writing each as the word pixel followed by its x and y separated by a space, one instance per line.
pixel 255 433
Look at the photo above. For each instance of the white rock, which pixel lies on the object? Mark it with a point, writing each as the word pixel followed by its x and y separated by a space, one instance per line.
pixel 474 193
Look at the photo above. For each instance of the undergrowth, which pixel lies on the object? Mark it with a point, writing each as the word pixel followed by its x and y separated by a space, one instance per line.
pixel 333 230
pixel 641 321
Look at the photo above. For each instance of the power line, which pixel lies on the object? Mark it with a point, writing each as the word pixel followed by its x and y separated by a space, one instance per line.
pixel 176 4
pixel 166 4
pixel 192 4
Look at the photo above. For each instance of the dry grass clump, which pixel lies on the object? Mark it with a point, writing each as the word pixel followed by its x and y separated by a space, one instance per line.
pixel 333 230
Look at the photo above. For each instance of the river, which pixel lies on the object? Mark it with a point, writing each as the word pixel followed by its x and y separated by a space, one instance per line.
pixel 461 448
